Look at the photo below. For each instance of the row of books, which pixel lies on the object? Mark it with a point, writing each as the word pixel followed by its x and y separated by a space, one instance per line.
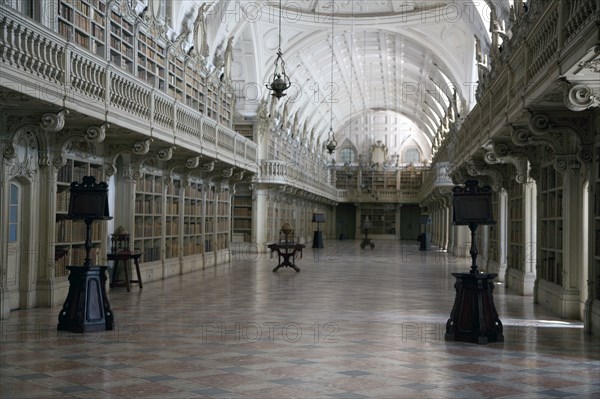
pixel 192 228
pixel 194 209
pixel 171 249
pixel 192 248
pixel 243 212
pixel 148 229
pixel 242 224
pixel 152 205
pixel 551 205
pixel 75 172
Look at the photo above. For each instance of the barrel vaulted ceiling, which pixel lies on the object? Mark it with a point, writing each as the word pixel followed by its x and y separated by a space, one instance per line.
pixel 406 57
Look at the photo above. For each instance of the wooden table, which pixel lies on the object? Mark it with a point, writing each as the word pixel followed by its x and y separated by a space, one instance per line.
pixel 123 257
pixel 286 254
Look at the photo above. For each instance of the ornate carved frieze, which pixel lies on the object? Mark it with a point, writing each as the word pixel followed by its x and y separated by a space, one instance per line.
pixel 21 154
pixel 502 154
pixel 478 167
pixel 567 139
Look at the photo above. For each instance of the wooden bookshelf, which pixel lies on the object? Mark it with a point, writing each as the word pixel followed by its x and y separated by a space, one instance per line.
pixel 69 235
pixel 176 77
pixel 209 219
pixel 148 223
pixel 381 216
pixel 226 105
pixel 172 219
pixel 121 42
pixel 596 222
pixel 195 88
pixel 212 98
pixel 516 249
pixel 245 129
pixel 551 225
pixel 494 244
pixel 242 217
pixel 151 61
pixel 193 220
pixel 222 220
pixel 84 22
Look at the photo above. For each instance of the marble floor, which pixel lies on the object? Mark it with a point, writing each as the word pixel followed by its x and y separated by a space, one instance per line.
pixel 352 324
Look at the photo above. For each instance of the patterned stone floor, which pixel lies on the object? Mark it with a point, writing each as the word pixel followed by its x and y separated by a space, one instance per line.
pixel 352 324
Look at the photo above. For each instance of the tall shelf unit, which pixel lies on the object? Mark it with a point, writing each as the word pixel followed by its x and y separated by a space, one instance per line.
pixel 596 223
pixel 381 216
pixel 222 220
pixel 494 245
pixel 121 42
pixel 195 88
pixel 69 235
pixel 242 217
pixel 245 128
pixel 193 220
pixel 84 22
pixel 551 225
pixel 149 217
pixel 172 224
pixel 151 61
pixel 176 77
pixel 209 218
pixel 516 250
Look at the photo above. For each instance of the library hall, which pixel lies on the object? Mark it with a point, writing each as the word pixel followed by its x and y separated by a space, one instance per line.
pixel 310 199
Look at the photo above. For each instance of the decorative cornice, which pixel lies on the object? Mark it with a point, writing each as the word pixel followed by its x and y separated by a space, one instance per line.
pixel 501 153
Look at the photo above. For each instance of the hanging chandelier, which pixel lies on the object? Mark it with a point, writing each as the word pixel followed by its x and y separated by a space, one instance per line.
pixel 332 144
pixel 280 81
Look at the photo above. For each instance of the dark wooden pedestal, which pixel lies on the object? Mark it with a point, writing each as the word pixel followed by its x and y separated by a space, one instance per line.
pixel 86 307
pixel 474 317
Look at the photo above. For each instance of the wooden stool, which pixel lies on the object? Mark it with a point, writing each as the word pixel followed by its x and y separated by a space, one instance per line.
pixel 124 257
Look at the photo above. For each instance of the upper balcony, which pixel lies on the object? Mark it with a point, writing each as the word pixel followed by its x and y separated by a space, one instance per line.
pixel 161 94
pixel 537 67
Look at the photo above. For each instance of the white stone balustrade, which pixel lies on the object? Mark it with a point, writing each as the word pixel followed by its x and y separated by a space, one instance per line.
pixel 38 62
pixel 545 42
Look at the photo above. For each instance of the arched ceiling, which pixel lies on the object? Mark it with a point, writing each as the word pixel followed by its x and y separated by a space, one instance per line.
pixel 403 56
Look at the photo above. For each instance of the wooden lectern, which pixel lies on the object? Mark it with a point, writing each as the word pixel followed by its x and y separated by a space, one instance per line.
pixel 473 317
pixel 86 307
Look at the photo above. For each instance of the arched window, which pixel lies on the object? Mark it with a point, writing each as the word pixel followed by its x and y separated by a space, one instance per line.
pixel 412 155
pixel 347 155
pixel 13 213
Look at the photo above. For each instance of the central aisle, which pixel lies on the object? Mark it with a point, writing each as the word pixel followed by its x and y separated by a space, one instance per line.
pixel 352 324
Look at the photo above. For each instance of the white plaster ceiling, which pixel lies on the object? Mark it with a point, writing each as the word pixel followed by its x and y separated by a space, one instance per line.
pixel 402 56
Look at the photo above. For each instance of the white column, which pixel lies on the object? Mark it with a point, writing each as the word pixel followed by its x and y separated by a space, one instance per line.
pixel 573 246
pixel 530 237
pixel 259 218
